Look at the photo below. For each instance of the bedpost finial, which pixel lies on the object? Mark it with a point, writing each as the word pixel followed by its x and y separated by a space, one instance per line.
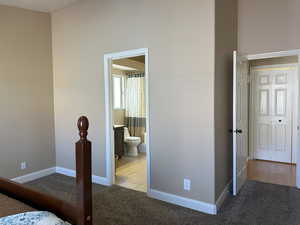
pixel 83 126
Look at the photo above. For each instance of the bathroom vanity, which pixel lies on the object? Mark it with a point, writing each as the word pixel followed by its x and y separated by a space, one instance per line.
pixel 119 140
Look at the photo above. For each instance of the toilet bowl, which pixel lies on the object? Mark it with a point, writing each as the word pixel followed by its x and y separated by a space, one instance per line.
pixel 131 143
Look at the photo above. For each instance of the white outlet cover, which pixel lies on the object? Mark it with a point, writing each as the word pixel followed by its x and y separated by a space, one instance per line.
pixel 187 184
pixel 23 165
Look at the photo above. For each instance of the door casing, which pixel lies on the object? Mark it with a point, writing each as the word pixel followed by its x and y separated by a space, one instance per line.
pixel 109 137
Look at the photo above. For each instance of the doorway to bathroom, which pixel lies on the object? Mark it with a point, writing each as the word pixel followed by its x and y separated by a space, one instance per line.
pixel 127 119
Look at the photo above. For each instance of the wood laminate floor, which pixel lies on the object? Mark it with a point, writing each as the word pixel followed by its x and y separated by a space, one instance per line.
pixel 272 172
pixel 131 172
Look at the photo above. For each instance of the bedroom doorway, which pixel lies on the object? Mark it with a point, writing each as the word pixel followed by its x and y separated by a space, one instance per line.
pixel 274 120
pixel 274 103
pixel 266 119
pixel 127 119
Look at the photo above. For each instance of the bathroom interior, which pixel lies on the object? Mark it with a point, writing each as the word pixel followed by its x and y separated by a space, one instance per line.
pixel 129 122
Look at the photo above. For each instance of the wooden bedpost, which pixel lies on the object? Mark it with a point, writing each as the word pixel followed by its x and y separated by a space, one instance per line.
pixel 84 174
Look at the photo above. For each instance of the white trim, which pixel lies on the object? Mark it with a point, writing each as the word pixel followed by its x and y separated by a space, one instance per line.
pixel 184 202
pixel 224 195
pixel 274 54
pixel 110 162
pixel 298 124
pixel 295 141
pixel 35 175
pixel 72 173
pixel 126 54
pixel 148 128
pixel 67 172
pixel 234 124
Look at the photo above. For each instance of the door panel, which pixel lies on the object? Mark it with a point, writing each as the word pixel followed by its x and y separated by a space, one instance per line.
pixel 280 102
pixel 281 78
pixel 263 136
pixel 264 102
pixel 280 138
pixel 272 92
pixel 240 121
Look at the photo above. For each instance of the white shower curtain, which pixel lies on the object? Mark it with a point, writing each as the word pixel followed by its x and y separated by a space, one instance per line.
pixel 135 104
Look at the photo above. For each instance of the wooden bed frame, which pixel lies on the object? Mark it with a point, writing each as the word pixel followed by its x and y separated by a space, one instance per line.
pixel 79 213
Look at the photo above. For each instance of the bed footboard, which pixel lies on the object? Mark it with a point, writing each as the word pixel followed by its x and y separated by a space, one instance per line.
pixel 77 214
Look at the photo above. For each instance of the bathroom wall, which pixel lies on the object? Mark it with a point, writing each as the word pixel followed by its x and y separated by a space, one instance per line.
pixel 119 116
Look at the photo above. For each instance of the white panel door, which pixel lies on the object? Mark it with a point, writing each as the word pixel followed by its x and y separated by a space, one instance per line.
pixel 273 114
pixel 240 121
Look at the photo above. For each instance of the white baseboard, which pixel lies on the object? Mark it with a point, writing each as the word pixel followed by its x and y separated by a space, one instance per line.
pixel 72 173
pixel 170 198
pixel 67 172
pixel 225 193
pixel 185 202
pixel 35 175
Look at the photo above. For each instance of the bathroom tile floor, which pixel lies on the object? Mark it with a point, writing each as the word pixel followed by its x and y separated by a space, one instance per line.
pixel 131 172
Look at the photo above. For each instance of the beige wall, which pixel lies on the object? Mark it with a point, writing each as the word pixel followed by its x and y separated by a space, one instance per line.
pixel 226 43
pixel 268 25
pixel 180 38
pixel 26 90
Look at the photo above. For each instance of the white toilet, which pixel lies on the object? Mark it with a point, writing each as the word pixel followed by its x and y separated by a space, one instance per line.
pixel 131 143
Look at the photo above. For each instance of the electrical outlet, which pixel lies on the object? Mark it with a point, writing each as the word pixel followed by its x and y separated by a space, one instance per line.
pixel 23 165
pixel 187 184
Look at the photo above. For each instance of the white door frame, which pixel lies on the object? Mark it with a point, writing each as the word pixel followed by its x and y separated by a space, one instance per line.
pixel 295 110
pixel 109 133
pixel 282 54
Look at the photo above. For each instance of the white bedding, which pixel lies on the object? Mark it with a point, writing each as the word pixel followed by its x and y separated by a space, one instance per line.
pixel 32 218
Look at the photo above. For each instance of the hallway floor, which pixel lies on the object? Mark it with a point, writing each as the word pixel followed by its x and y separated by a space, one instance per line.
pixel 131 172
pixel 272 172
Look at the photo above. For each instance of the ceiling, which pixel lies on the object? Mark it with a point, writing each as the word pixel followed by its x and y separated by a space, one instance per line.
pixel 140 59
pixel 39 5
